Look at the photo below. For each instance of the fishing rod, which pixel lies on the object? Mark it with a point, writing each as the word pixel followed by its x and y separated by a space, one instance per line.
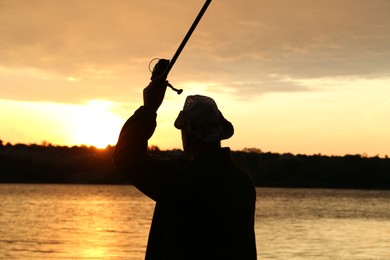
pixel 182 45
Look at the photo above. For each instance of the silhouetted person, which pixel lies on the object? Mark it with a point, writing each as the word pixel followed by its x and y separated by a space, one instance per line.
pixel 205 205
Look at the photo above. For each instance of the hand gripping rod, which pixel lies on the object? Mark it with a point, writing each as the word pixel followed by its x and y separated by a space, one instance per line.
pixel 184 42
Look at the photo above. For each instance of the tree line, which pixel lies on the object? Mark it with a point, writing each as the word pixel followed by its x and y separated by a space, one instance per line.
pixel 46 163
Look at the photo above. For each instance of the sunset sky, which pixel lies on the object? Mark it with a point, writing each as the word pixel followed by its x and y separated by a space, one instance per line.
pixel 293 76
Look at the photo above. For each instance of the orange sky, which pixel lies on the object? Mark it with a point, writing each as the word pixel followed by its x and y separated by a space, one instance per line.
pixel 293 76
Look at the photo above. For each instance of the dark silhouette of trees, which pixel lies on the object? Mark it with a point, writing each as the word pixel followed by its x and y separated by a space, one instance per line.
pixel 45 163
pixel 56 164
pixel 287 170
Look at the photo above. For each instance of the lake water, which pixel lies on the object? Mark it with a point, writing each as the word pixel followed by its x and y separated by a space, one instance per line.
pixel 112 222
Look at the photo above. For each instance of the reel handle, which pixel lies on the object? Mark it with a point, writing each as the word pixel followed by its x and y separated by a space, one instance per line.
pixel 178 91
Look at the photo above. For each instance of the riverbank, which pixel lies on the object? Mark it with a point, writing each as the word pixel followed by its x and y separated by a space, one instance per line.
pixel 22 163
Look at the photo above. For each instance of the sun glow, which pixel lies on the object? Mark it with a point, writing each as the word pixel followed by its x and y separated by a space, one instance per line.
pixel 91 124
pixel 96 125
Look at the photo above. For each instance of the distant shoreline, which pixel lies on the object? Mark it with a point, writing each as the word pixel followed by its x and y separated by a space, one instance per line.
pixel 22 163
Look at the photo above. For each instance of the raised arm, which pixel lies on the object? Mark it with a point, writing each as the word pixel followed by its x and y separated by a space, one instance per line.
pixel 148 174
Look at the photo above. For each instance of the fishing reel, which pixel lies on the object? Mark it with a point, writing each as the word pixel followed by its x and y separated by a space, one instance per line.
pixel 160 70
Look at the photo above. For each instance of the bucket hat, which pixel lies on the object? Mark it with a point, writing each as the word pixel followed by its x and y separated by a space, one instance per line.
pixel 201 116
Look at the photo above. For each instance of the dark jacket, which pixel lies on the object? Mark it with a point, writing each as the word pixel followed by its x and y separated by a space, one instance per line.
pixel 205 208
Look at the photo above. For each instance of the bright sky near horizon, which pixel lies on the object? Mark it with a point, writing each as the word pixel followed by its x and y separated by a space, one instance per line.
pixel 294 76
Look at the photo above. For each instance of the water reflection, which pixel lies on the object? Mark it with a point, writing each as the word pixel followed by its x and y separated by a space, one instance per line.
pixel 323 224
pixel 87 222
pixel 112 222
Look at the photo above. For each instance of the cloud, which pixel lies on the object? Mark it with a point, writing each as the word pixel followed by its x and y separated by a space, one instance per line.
pixel 108 44
pixel 73 35
pixel 323 38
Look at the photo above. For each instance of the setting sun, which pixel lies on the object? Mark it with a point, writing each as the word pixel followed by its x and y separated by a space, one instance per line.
pixel 95 125
pixel 91 124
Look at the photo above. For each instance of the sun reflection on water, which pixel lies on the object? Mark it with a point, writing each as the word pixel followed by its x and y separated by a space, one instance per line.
pixel 101 226
pixel 74 221
pixel 112 222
